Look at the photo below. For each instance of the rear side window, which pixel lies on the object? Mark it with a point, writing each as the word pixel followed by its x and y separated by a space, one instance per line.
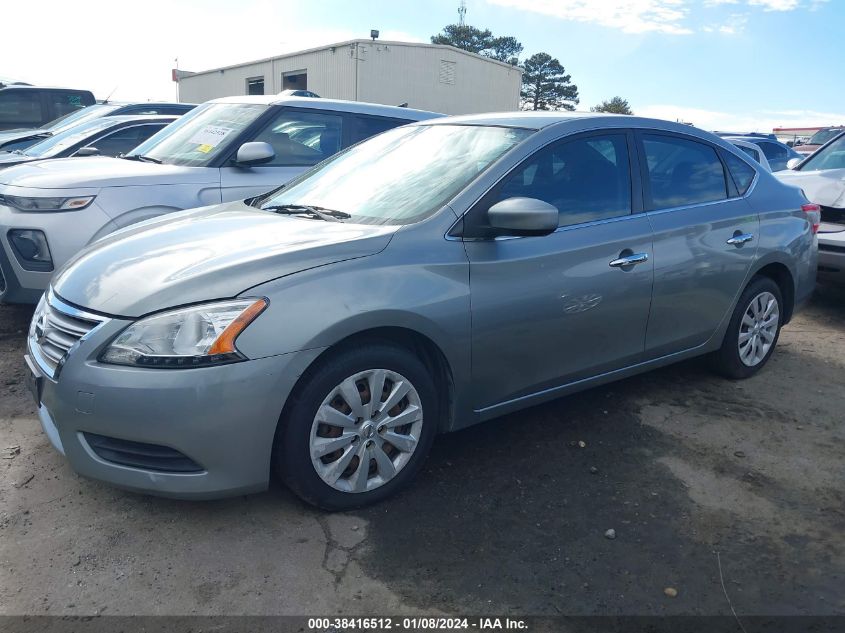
pixel 773 150
pixel 366 126
pixel 20 108
pixel 682 172
pixel 302 138
pixel 66 102
pixel 587 179
pixel 741 172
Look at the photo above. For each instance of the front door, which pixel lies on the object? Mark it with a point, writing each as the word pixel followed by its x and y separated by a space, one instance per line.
pixel 550 310
pixel 705 240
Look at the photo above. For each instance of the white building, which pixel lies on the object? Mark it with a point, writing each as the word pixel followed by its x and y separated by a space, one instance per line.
pixel 425 76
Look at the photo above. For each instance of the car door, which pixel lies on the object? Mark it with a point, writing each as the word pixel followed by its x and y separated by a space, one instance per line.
pixel 553 309
pixel 705 239
pixel 300 137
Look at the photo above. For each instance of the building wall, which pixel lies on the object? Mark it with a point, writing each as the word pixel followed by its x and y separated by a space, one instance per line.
pixel 435 78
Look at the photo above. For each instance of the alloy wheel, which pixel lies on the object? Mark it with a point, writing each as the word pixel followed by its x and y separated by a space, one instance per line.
pixel 758 329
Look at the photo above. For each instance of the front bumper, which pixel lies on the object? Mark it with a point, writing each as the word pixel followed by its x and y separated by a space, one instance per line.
pixel 223 418
pixel 67 233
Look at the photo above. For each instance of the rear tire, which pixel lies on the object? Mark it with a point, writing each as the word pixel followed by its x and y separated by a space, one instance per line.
pixel 753 331
pixel 337 448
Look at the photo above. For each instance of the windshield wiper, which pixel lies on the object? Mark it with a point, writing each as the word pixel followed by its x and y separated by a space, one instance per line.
pixel 317 213
pixel 142 158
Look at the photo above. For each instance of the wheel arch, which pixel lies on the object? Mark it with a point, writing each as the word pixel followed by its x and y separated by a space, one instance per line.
pixel 780 273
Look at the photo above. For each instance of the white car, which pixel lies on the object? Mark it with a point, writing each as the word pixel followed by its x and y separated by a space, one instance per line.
pixel 822 178
pixel 226 149
pixel 752 150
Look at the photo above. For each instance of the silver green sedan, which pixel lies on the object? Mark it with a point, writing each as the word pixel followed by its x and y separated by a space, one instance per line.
pixel 436 276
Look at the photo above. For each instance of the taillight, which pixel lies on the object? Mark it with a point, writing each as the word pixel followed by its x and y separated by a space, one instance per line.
pixel 814 215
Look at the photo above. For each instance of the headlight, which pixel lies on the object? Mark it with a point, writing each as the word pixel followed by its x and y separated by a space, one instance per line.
pixel 48 204
pixel 198 336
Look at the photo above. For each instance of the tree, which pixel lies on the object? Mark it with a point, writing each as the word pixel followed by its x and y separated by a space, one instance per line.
pixel 545 85
pixel 617 105
pixel 474 40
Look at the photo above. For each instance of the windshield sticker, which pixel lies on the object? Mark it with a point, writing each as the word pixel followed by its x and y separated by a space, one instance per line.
pixel 205 149
pixel 210 136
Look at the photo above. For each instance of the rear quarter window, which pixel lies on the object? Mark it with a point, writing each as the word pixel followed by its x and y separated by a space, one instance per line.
pixel 741 172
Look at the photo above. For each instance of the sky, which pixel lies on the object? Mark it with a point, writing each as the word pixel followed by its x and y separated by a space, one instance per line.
pixel 746 65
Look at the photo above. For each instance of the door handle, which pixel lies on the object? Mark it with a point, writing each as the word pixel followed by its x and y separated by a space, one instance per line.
pixel 629 260
pixel 740 238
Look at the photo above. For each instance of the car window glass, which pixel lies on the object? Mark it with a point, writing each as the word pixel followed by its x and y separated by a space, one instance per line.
pixel 753 153
pixel 53 145
pixel 65 102
pixel 587 179
pixel 122 141
pixel 683 172
pixel 302 138
pixel 20 108
pixel 773 150
pixel 367 126
pixel 829 157
pixel 741 172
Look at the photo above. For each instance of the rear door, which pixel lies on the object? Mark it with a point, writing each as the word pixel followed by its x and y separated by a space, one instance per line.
pixel 550 310
pixel 705 239
pixel 301 138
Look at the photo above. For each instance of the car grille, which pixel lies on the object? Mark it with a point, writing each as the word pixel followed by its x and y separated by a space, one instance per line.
pixel 56 328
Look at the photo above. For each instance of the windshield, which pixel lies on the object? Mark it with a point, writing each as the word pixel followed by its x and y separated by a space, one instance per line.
pixel 400 176
pixel 823 136
pixel 830 157
pixel 53 145
pixel 201 135
pixel 78 116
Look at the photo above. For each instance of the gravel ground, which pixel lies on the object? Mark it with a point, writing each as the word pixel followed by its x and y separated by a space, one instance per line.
pixel 703 482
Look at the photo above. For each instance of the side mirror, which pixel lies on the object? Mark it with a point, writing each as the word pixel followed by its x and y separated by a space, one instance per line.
pixel 255 153
pixel 792 163
pixel 87 151
pixel 523 216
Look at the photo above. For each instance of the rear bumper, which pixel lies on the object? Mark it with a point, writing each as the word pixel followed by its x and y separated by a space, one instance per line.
pixel 832 254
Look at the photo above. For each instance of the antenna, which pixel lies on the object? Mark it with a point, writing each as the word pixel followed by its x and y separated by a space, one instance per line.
pixel 106 100
pixel 462 11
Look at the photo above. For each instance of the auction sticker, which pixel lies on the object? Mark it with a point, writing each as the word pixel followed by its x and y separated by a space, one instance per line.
pixel 211 135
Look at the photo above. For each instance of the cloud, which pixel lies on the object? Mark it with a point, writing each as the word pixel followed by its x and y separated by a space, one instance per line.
pixel 630 16
pixel 749 121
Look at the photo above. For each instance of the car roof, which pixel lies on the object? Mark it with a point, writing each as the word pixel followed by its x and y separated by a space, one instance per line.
pixel 752 139
pixel 357 107
pixel 28 87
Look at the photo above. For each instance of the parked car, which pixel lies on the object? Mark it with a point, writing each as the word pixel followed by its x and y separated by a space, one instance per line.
pixel 103 136
pixel 21 139
pixel 435 276
pixel 753 150
pixel 777 154
pixel 822 178
pixel 818 139
pixel 23 106
pixel 228 149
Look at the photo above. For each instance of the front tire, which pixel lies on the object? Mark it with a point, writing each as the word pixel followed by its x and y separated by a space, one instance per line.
pixel 359 427
pixel 753 331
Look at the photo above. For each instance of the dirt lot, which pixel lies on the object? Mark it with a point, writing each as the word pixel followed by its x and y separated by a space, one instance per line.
pixel 691 471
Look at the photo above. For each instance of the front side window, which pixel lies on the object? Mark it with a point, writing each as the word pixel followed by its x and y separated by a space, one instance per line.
pixel 682 172
pixel 57 143
pixel 830 157
pixel 201 135
pixel 302 138
pixel 587 179
pixel 401 176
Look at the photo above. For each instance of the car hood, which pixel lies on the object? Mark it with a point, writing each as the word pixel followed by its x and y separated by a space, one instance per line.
pixel 825 187
pixel 204 254
pixel 102 171
pixel 19 135
pixel 7 159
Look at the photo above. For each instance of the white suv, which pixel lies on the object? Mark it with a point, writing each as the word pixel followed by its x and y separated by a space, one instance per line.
pixel 226 149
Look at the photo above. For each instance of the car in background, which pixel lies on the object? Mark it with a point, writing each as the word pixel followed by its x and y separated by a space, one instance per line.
pixel 822 178
pixel 753 150
pixel 438 275
pixel 298 93
pixel 21 139
pixel 818 139
pixel 103 136
pixel 23 106
pixel 777 154
pixel 227 149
